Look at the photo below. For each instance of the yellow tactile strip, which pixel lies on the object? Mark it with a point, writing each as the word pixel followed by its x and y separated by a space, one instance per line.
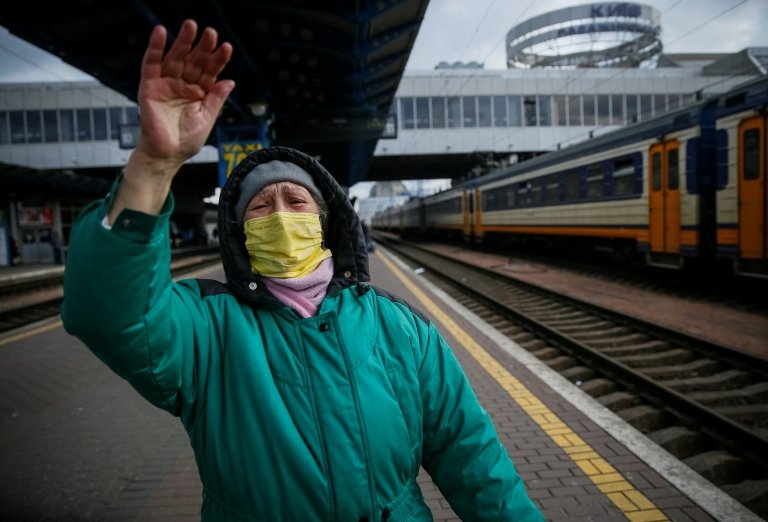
pixel 635 506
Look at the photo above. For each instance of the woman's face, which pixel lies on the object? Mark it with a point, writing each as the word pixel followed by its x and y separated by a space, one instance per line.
pixel 281 197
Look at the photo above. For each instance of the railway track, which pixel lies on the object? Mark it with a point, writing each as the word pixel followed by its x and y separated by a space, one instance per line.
pixel 36 298
pixel 704 403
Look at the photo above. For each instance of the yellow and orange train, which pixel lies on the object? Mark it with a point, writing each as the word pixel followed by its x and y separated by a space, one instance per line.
pixel 689 185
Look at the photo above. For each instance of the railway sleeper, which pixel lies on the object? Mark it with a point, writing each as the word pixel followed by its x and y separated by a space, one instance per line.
pixel 751 493
pixel 579 374
pixel 752 394
pixel 750 415
pixel 645 418
pixel 679 441
pixel 618 400
pixel 719 467
pixel 726 380
pixel 561 362
pixel 545 353
pixel 598 387
pixel 548 315
pixel 637 342
pixel 587 330
pixel 651 346
pixel 669 357
pixel 695 368
pixel 573 321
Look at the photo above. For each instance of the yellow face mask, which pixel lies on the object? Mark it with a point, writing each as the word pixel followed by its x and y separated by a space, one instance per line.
pixel 285 244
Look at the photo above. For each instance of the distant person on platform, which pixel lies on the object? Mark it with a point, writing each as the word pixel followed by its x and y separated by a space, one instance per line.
pixel 306 393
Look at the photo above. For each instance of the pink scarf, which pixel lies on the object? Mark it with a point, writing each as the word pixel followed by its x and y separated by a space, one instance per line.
pixel 303 294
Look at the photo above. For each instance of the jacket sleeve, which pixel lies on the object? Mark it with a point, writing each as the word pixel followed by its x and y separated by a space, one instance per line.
pixel 120 301
pixel 462 451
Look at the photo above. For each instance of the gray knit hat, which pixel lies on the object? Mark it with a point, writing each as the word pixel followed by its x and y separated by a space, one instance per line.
pixel 270 172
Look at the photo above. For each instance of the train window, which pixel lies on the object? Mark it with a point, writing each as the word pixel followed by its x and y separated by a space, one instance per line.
pixel 751 155
pixel 551 188
pixel 515 111
pixel 115 120
pixel 438 113
pixel 659 104
pixel 572 185
pixel 535 193
pixel 656 171
pixel 509 196
pixel 422 112
pixel 499 111
pixel 484 111
pixel 574 111
pixel 470 111
pixel 673 169
pixel 560 114
pixel 646 110
pixel 523 198
pixel 589 110
pixel 407 116
pixel 595 181
pixel 100 130
pixel 454 112
pixel 623 177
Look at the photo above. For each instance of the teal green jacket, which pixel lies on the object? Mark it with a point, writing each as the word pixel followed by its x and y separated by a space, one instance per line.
pixel 327 418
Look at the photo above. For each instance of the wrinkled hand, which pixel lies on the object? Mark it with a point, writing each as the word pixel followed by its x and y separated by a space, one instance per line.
pixel 179 94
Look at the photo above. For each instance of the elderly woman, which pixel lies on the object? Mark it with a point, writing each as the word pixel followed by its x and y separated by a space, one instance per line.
pixel 306 393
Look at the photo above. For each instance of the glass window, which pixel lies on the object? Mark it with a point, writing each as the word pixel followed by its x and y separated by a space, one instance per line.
pixel 407 117
pixel 84 127
pixel 624 177
pixel 116 119
pixel 536 192
pixel 595 181
pixel 500 111
pixel 572 185
pixel 484 111
pixel 5 135
pixel 603 109
pixel 545 111
pixel 67 124
pixel 574 111
pixel 18 132
pixel 673 169
pixel 100 124
pixel 617 109
pixel 454 111
pixel 50 126
pixel 589 110
pixel 132 115
pixel 674 102
pixel 646 112
pixel 659 104
pixel 523 198
pixel 515 111
pixel 551 188
pixel 560 114
pixel 632 108
pixel 470 111
pixel 656 171
pixel 34 126
pixel 438 113
pixel 529 111
pixel 751 154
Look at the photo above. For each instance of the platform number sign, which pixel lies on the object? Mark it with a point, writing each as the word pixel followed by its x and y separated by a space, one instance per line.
pixel 233 152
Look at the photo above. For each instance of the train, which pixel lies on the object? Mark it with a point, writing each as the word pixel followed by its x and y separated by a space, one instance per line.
pixel 686 188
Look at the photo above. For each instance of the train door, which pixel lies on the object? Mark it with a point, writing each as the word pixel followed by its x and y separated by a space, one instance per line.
pixel 469 215
pixel 664 198
pixel 753 243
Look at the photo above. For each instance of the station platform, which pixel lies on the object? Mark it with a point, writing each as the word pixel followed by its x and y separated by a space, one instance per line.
pixel 78 443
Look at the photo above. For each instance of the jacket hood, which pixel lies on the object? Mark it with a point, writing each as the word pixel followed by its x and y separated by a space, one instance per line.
pixel 343 233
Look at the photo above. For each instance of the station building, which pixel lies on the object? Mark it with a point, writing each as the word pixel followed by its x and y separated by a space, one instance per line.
pixel 62 144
